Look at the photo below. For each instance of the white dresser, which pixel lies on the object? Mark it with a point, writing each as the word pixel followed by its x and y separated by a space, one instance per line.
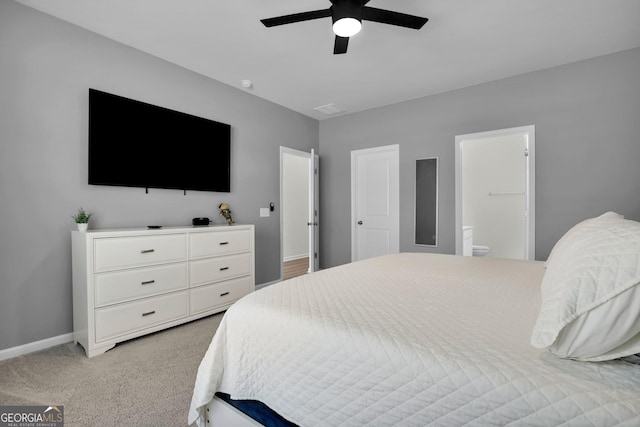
pixel 131 282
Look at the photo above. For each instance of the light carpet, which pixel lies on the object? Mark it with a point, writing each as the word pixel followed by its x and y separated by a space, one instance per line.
pixel 147 381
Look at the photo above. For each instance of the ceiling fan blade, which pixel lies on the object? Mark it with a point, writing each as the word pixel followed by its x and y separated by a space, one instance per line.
pixel 340 45
pixel 296 17
pixel 393 18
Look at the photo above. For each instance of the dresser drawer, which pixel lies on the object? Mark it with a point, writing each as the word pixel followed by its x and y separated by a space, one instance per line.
pixel 216 269
pixel 120 286
pixel 124 252
pixel 209 297
pixel 122 319
pixel 219 243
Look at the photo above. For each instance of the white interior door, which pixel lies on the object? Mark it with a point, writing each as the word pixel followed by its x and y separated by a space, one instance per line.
pixel 314 205
pixel 375 195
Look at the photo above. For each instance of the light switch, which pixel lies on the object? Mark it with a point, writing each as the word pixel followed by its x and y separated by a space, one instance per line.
pixel 264 212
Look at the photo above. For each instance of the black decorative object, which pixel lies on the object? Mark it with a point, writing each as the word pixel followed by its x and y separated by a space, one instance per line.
pixel 201 221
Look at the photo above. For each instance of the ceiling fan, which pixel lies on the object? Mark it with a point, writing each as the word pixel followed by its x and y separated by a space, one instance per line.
pixel 347 17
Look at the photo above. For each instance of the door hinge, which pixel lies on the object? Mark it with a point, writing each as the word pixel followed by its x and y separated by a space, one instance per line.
pixel 526 152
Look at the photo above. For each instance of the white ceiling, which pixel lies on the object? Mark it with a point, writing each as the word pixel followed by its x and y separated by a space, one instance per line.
pixel 465 42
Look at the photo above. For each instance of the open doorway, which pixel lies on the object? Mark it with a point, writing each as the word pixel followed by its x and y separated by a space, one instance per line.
pixel 299 219
pixel 495 193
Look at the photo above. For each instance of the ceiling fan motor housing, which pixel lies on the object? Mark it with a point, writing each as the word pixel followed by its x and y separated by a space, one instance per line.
pixel 346 9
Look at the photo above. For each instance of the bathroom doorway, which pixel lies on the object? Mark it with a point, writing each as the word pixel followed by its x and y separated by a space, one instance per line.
pixel 495 193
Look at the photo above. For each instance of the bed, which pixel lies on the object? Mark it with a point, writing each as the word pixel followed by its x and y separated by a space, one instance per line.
pixel 417 339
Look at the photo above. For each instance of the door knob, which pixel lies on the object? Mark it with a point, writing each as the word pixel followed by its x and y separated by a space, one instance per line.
pixel 359 222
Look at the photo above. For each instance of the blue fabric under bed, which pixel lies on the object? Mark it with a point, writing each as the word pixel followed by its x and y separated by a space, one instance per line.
pixel 258 411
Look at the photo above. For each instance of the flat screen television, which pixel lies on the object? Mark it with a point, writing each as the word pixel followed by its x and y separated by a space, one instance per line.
pixel 135 144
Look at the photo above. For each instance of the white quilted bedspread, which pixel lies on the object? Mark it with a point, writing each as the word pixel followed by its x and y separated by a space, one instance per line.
pixel 409 340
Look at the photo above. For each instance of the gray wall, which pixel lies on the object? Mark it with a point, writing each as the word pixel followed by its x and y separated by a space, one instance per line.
pixel 587 119
pixel 46 68
pixel 586 116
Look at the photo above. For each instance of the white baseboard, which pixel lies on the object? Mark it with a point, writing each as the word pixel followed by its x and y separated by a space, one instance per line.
pixel 295 257
pixel 264 285
pixel 35 346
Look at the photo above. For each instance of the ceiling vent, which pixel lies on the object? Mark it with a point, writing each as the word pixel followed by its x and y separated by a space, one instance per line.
pixel 330 109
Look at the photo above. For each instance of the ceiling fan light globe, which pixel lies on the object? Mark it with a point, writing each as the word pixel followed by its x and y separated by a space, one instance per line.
pixel 347 27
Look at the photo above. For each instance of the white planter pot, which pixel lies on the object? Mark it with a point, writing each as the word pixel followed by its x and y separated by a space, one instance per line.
pixel 82 226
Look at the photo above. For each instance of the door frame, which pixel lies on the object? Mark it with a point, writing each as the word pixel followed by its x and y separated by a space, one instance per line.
pixel 395 149
pixel 530 185
pixel 314 211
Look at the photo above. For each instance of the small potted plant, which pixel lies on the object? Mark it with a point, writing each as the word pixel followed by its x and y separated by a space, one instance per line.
pixel 82 219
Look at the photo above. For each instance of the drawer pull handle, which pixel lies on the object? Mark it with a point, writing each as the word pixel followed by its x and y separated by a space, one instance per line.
pixel 148 313
pixel 224 294
pixel 147 251
pixel 224 268
pixel 224 243
pixel 147 282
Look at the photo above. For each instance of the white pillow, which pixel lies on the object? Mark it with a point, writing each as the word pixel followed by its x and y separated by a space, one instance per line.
pixel 590 292
pixel 570 236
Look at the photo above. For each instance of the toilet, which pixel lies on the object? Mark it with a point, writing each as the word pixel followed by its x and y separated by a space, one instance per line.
pixel 479 250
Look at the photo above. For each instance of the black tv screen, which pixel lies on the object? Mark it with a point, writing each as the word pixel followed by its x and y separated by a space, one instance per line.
pixel 135 144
